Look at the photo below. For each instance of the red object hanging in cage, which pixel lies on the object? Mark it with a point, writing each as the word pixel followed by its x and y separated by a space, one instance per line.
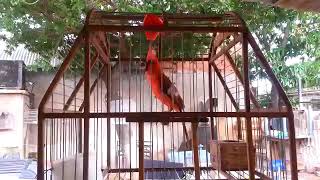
pixel 152 20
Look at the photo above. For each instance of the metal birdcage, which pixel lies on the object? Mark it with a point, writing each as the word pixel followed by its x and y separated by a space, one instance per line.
pixel 99 101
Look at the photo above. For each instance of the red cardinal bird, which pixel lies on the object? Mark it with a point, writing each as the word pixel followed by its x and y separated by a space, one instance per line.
pixel 161 86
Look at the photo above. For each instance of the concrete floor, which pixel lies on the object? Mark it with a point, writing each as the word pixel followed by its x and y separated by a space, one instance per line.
pixel 308 176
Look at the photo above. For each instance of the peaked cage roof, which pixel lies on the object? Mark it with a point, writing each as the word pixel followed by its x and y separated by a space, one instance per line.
pixel 226 30
pixel 106 21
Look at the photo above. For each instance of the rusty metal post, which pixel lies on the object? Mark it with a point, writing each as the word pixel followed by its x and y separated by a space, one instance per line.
pixel 141 151
pixel 276 83
pixel 86 107
pixel 195 150
pixel 40 165
pixel 239 128
pixel 108 119
pixel 250 148
pixel 210 101
pixel 292 143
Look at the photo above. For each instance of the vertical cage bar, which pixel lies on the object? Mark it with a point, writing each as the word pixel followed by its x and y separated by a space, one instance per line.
pixel 250 148
pixel 108 119
pixel 141 151
pixel 86 108
pixel 292 143
pixel 210 101
pixel 195 150
pixel 40 165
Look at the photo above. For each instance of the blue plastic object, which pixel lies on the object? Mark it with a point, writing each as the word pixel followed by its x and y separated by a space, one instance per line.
pixel 278 165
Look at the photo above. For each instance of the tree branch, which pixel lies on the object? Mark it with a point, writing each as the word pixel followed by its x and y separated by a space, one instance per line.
pixel 285 36
pixel 263 42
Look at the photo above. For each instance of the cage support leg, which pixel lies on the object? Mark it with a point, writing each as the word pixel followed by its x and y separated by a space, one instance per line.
pixel 108 86
pixel 141 151
pixel 40 163
pixel 86 103
pixel 293 151
pixel 250 147
pixel 195 150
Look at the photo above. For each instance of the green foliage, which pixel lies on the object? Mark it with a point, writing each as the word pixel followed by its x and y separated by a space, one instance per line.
pixel 41 26
pixel 42 65
pixel 310 73
pixel 50 27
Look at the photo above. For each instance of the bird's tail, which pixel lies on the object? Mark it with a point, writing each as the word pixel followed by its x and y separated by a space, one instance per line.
pixel 185 130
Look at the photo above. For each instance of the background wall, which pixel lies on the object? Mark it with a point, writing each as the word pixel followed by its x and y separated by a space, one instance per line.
pixel 12 119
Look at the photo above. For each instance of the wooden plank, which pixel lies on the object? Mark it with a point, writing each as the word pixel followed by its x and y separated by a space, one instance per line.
pixel 229 155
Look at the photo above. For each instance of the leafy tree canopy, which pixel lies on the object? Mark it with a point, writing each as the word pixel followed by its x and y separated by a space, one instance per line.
pixel 48 27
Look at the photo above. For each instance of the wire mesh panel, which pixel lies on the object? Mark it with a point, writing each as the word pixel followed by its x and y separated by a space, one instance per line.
pixel 188 105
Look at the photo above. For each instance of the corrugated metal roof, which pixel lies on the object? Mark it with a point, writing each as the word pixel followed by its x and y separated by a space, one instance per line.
pixel 17 169
pixel 12 165
pixel 21 53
